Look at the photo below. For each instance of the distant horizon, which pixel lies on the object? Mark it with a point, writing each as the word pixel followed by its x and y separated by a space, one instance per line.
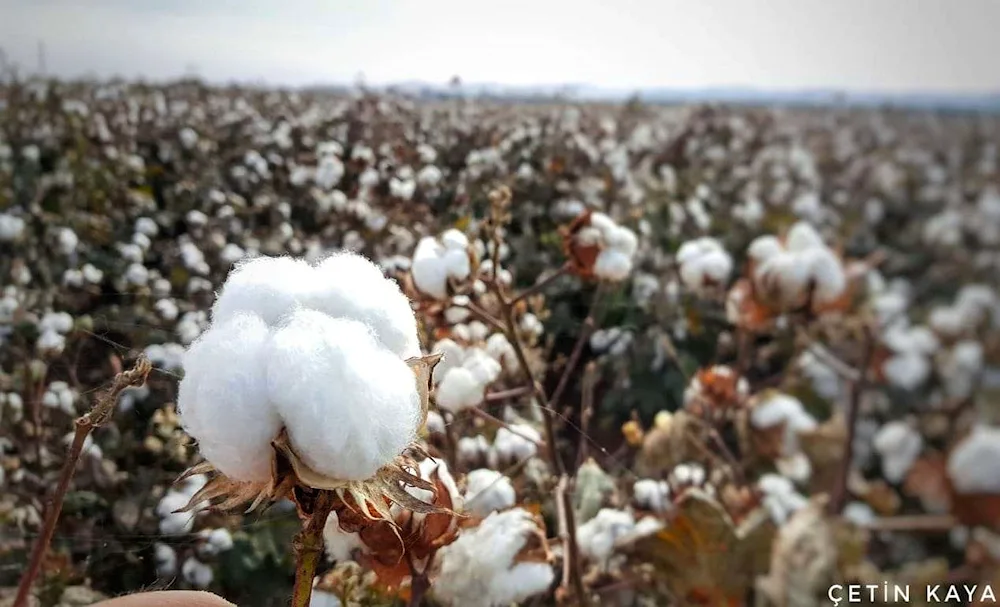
pixel 884 47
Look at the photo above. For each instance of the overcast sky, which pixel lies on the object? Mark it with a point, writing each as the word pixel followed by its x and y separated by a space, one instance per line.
pixel 872 45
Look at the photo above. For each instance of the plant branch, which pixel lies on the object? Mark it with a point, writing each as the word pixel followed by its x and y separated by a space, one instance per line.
pixel 541 284
pixel 838 496
pixel 501 395
pixel 99 415
pixel 588 326
pixel 567 533
pixel 309 548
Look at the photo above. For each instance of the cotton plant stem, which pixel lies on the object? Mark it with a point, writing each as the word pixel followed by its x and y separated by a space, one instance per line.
pixel 586 329
pixel 567 532
pixel 309 549
pixel 98 416
pixel 541 284
pixel 839 494
pixel 502 395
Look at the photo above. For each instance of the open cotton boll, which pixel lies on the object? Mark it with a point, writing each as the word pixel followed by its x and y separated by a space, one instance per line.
pixel 171 521
pixel 908 370
pixel 459 389
pixel 216 541
pixel 472 450
pixel 453 354
pixel 457 263
pixel 613 265
pixel 803 236
pixel 488 491
pixel 651 494
pixel 429 270
pixel 454 239
pixel 972 464
pixel 622 239
pixel 596 538
pixel 479 569
pixel 784 276
pixel 340 545
pixel 223 401
pixel 776 408
pixel 196 573
pixel 515 444
pixel 910 339
pixel 350 405
pixel 780 497
pixel 500 348
pixel 59 322
pixel 899 444
pixel 484 368
pixel 829 279
pixel 165 559
pixel 351 286
pixel 269 287
pixel 703 262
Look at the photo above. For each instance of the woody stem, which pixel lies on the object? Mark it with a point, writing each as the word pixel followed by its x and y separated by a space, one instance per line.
pixel 309 549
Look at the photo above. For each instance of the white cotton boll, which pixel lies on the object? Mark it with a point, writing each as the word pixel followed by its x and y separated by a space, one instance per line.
pixel 453 356
pixel 196 218
pixel 50 341
pixel 531 325
pixel 231 253
pixel 429 271
pixel 434 423
pixel 703 262
pixel 11 227
pixel 349 404
pixel 623 239
pixel 189 137
pixel 217 541
pixel 478 331
pixel 351 286
pixel 613 265
pixel 142 241
pixel 972 463
pixel 484 368
pixel 516 443
pixel 802 236
pixel 652 494
pixel 589 236
pixel 478 569
pixel 456 314
pixel 456 262
pixel 174 523
pixel 763 248
pixel 73 278
pixel 329 172
pixel 223 399
pixel 454 239
pixel 785 275
pixel 827 274
pixel 780 497
pixel 165 559
pixel 687 474
pixel 459 389
pixel 402 188
pixel 167 309
pixel 597 537
pixel 859 513
pixel 498 346
pixel 137 274
pixel 487 491
pixel 269 287
pixel 472 449
pixel 130 252
pixel 68 241
pixel 907 370
pixel 960 368
pixel 602 222
pixel 60 322
pixel 340 545
pixel 899 444
pixel 92 274
pixel 429 176
pixel 949 321
pixel 196 573
pixel 777 408
pixel 905 339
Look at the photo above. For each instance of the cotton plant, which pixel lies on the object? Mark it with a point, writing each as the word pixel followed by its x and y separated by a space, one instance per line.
pixel 597 247
pixel 256 391
pixel 439 263
pixel 703 264
pixel 504 559
pixel 487 491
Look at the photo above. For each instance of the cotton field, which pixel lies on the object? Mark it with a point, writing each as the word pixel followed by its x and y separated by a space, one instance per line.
pixel 365 349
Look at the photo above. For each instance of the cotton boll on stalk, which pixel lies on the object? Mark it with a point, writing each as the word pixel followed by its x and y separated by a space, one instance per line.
pixel 781 499
pixel 827 275
pixel 196 573
pixel 223 399
pixel 703 264
pixel 459 389
pixel 597 537
pixel 430 273
pixel 349 404
pixel 472 451
pixel 482 567
pixel 269 287
pixel 513 444
pixel 899 444
pixel 353 287
pixel 165 559
pixel 972 464
pixel 651 494
pixel 612 265
pixel 487 491
pixel 773 409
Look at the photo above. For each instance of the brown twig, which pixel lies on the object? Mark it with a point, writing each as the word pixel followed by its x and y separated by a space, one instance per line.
pixel 586 411
pixel 931 523
pixel 838 497
pixel 588 326
pixel 309 548
pixel 541 284
pixel 502 395
pixel 99 415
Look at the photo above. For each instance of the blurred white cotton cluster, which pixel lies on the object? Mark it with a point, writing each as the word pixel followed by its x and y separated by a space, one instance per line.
pixel 598 537
pixel 787 272
pixel 320 350
pixel 899 444
pixel 617 245
pixel 464 373
pixel 972 465
pixel 179 523
pixel 487 491
pixel 481 568
pixel 703 263
pixel 436 260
